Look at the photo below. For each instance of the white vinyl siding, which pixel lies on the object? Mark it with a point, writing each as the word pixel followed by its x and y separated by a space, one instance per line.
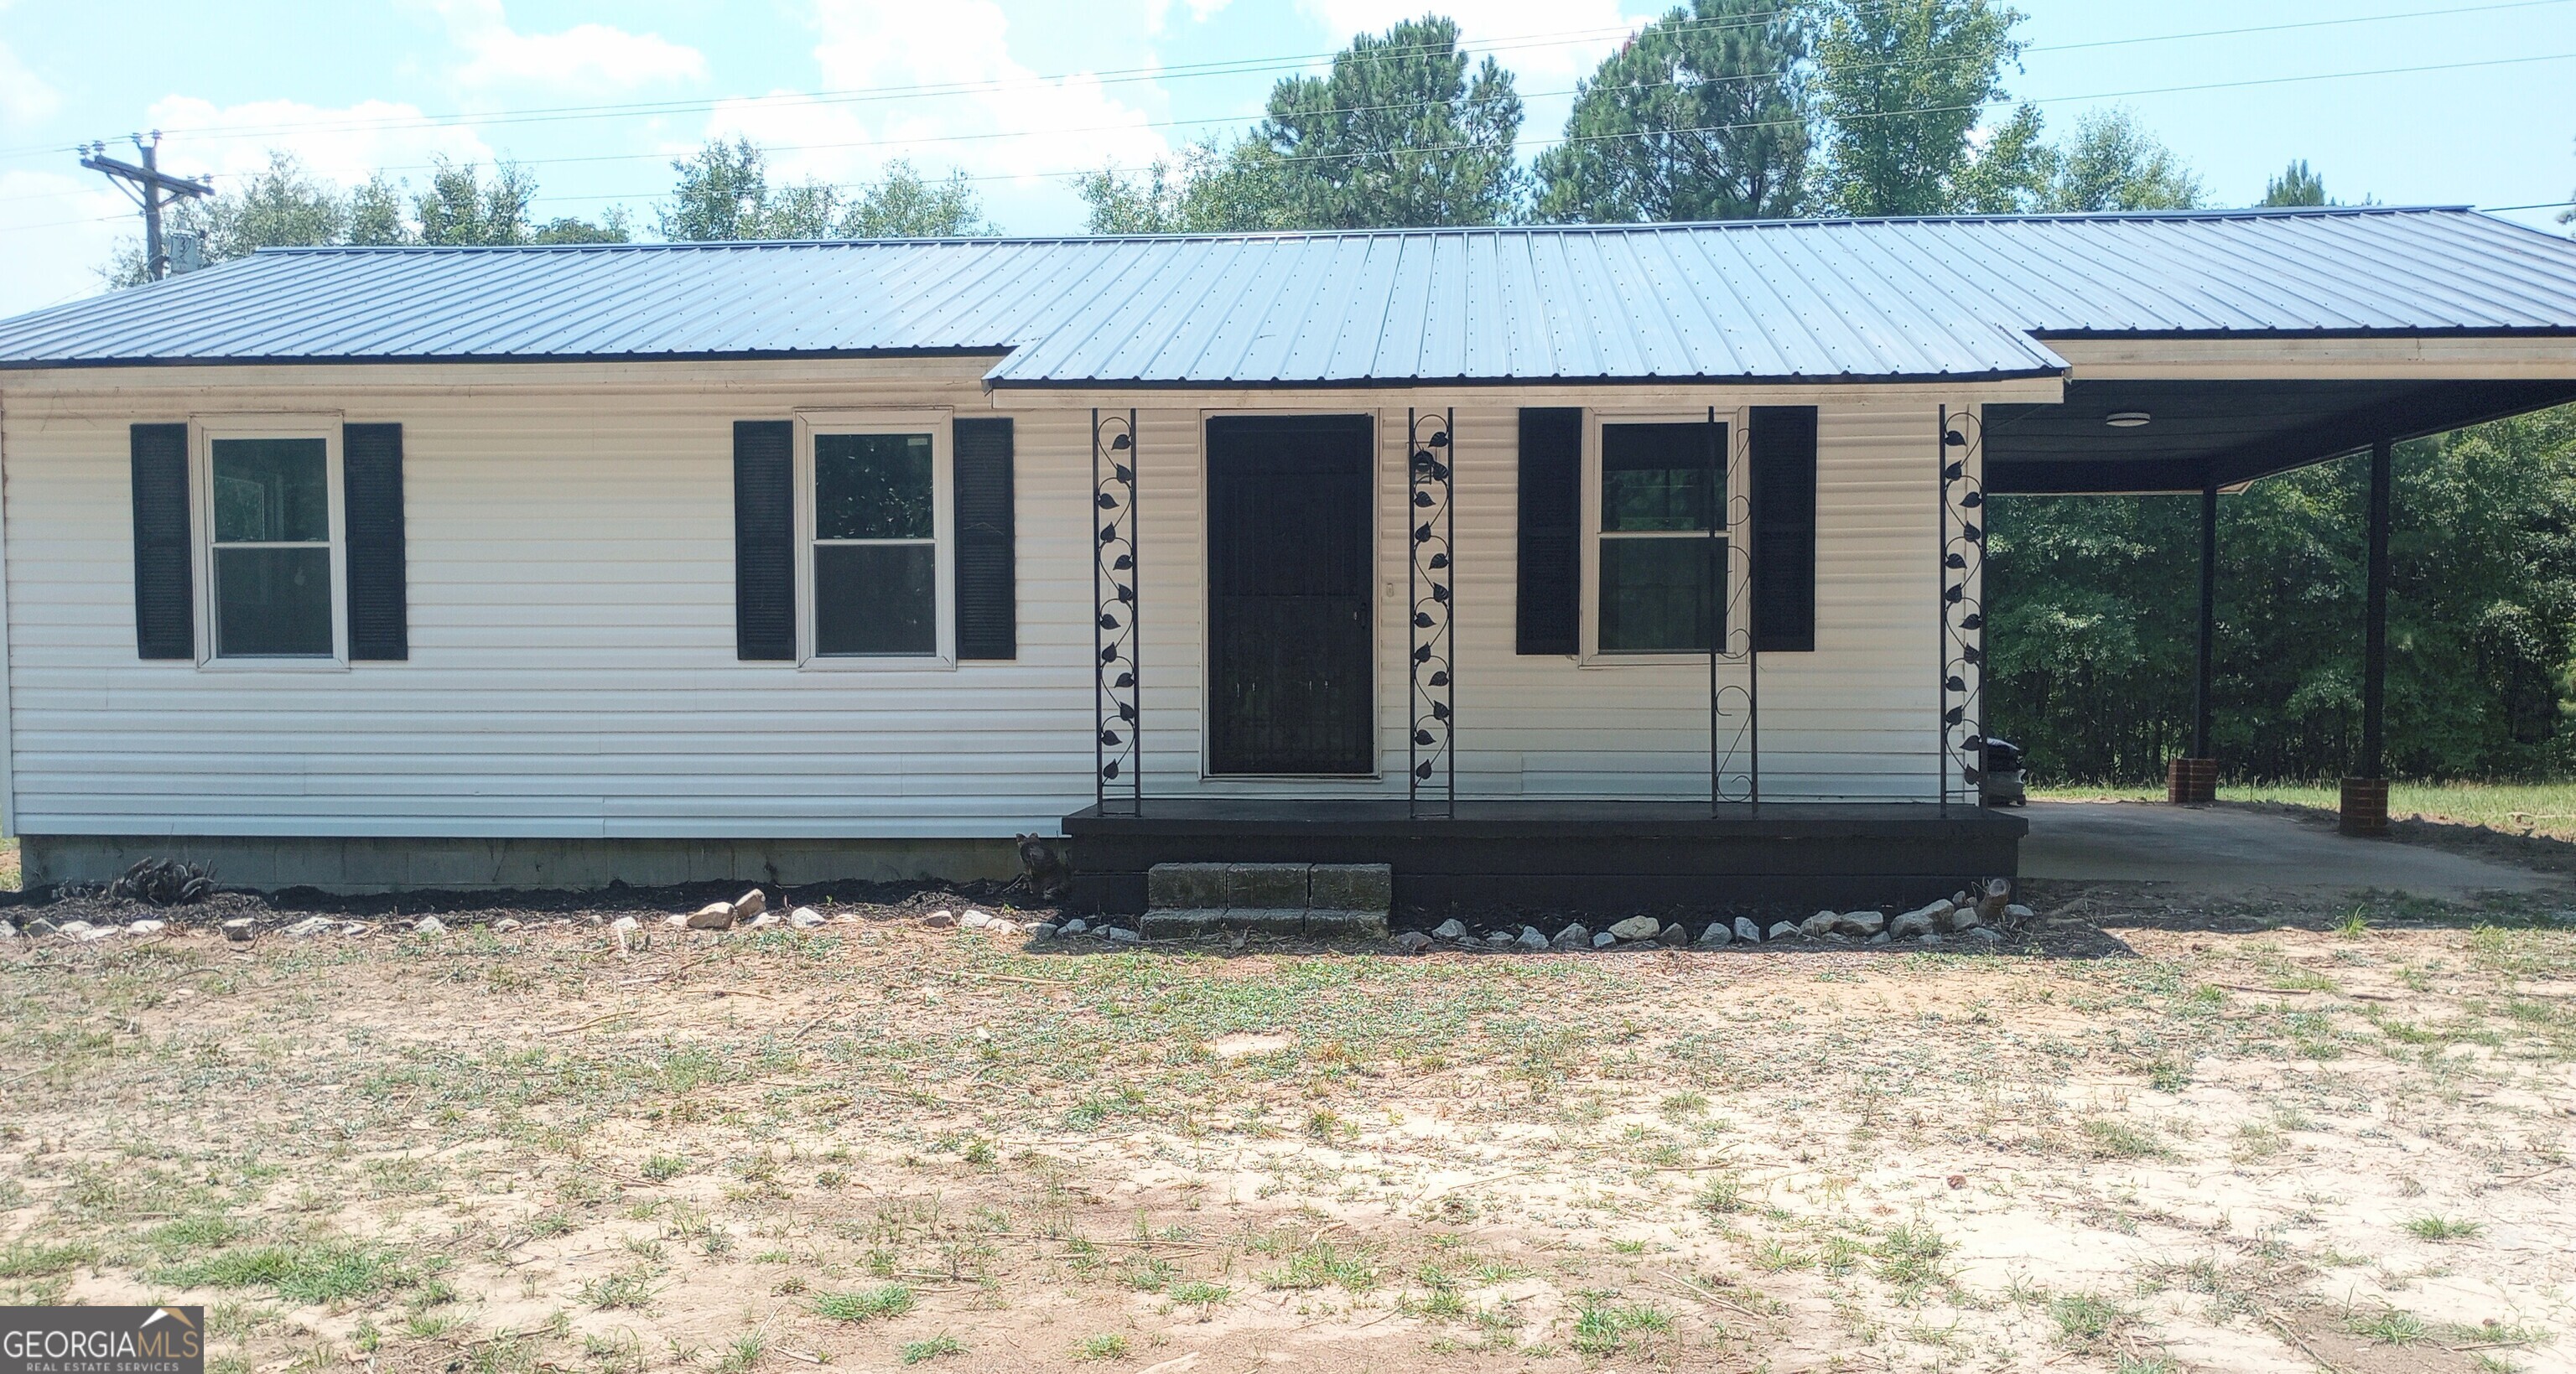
pixel 573 668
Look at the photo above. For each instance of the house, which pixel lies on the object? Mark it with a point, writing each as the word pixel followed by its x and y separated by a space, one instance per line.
pixel 1606 565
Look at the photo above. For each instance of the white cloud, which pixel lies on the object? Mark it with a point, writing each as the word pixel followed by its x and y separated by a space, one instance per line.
pixel 1009 123
pixel 25 98
pixel 1547 44
pixel 56 230
pixel 347 144
pixel 585 56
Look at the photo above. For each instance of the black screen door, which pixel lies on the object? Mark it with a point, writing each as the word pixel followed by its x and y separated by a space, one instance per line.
pixel 1288 595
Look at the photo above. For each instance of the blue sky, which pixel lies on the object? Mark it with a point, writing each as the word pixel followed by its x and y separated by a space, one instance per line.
pixel 596 99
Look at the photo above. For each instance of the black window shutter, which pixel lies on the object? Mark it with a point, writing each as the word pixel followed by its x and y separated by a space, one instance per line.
pixel 371 488
pixel 1784 529
pixel 165 594
pixel 1551 516
pixel 764 539
pixel 987 565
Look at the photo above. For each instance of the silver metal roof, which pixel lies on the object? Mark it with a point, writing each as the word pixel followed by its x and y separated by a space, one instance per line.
pixel 1853 299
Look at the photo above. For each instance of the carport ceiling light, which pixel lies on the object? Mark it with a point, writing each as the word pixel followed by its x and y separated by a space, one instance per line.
pixel 2128 419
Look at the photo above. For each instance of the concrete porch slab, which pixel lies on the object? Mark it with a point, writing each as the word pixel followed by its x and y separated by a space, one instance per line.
pixel 2228 849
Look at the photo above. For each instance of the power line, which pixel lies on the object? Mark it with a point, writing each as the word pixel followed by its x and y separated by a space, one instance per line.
pixel 1241 66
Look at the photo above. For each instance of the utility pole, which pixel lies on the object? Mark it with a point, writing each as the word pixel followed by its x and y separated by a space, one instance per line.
pixel 147 184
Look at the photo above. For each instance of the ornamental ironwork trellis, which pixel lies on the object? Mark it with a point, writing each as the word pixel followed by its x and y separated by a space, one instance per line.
pixel 1962 609
pixel 1431 755
pixel 1734 708
pixel 1117 682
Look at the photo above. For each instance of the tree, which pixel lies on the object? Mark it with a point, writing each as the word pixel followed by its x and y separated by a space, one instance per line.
pixel 723 195
pixel 906 206
pixel 2015 173
pixel 2296 186
pixel 1703 115
pixel 1403 133
pixel 375 214
pixel 1901 84
pixel 617 226
pixel 461 210
pixel 2115 164
pixel 1206 190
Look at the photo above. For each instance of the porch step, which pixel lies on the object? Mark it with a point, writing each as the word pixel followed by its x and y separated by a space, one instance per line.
pixel 1318 900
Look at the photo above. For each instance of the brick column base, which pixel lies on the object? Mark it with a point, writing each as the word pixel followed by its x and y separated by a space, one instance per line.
pixel 2192 782
pixel 2365 806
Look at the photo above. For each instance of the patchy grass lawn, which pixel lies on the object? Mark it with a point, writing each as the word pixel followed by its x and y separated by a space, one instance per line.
pixel 2147 1138
pixel 2543 809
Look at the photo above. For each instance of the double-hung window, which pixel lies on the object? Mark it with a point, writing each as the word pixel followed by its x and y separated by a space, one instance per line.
pixel 1660 546
pixel 272 544
pixel 879 580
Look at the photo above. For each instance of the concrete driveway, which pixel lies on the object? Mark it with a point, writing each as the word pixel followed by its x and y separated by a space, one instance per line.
pixel 2223 849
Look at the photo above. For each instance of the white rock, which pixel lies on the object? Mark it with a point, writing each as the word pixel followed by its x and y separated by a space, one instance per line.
pixel 1987 935
pixel 1574 936
pixel 8 931
pixel 1909 924
pixel 677 920
pixel 1746 931
pixel 75 929
pixel 1531 939
pixel 975 920
pixel 1122 935
pixel 310 925
pixel 505 925
pixel 1879 939
pixel 1604 940
pixel 1931 942
pixel 92 933
pixel 241 930
pixel 1043 930
pixel 1820 925
pixel 998 926
pixel 1860 923
pixel 749 904
pixel 429 925
pixel 804 918
pixel 1076 926
pixel 1638 928
pixel 622 924
pixel 147 926
pixel 1782 930
pixel 763 921
pixel 1961 918
pixel 1718 933
pixel 1413 942
pixel 1500 939
pixel 712 916
pixel 356 928
pixel 941 919
pixel 1450 929
pixel 2016 912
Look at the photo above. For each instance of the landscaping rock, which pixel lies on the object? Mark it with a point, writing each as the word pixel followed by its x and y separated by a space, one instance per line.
pixel 1718 935
pixel 1878 939
pixel 1574 936
pixel 505 925
pixel 2016 913
pixel 146 926
pixel 1819 926
pixel 750 904
pixel 1413 942
pixel 241 930
pixel 1746 931
pixel 75 929
pixel 974 920
pixel 1531 939
pixel 41 926
pixel 1675 935
pixel 1501 939
pixel 677 920
pixel 1782 930
pixel 1604 940
pixel 310 925
pixel 940 920
pixel 1910 924
pixel 94 933
pixel 356 928
pixel 1961 918
pixel 1931 942
pixel 623 925
pixel 1120 935
pixel 1861 924
pixel 1076 926
pixel 804 918
pixel 8 931
pixel 1638 928
pixel 1986 935
pixel 1043 930
pixel 763 921
pixel 712 916
pixel 429 925
pixel 1449 930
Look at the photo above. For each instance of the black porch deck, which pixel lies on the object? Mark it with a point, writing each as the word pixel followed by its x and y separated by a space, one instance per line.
pixel 1575 855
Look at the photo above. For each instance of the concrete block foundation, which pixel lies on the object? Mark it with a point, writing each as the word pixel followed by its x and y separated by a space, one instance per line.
pixel 356 865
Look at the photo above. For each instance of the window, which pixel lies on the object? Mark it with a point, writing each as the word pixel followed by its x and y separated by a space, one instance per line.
pixel 879 508
pixel 1660 556
pixel 271 527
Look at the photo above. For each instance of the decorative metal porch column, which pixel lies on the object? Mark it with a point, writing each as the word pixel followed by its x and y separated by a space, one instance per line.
pixel 1962 609
pixel 2193 781
pixel 1734 708
pixel 2365 796
pixel 1431 755
pixel 1116 687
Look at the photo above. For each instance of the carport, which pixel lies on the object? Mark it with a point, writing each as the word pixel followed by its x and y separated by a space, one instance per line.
pixel 2176 412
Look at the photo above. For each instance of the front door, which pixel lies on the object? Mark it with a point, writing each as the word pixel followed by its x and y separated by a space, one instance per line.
pixel 1288 595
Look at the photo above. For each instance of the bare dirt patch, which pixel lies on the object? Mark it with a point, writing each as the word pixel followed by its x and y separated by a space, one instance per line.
pixel 2145 1137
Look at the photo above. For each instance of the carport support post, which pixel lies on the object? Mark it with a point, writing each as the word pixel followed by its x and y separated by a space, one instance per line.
pixel 2193 781
pixel 2365 796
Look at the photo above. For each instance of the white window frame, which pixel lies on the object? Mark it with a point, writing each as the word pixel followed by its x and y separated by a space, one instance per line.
pixel 1733 417
pixel 812 424
pixel 204 430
